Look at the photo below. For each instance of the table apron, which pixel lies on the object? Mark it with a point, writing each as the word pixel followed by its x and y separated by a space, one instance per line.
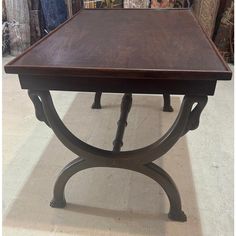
pixel 142 86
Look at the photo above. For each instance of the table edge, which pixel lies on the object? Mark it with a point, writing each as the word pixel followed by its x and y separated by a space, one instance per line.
pixel 119 72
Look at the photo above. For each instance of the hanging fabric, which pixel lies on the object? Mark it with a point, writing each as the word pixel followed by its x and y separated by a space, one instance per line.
pixel 54 12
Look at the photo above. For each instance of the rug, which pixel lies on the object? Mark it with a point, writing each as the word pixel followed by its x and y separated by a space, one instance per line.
pixel 107 201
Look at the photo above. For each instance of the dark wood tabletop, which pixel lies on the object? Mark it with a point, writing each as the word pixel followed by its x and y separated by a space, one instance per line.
pixel 124 50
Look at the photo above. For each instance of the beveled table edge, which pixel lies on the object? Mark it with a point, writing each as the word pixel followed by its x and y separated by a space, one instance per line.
pixel 131 73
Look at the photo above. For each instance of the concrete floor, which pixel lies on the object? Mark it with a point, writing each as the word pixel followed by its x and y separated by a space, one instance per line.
pixel 104 201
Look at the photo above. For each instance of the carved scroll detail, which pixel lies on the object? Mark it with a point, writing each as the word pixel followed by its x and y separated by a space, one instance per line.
pixel 39 112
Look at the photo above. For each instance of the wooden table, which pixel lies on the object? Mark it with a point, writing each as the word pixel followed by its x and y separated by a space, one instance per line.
pixel 123 51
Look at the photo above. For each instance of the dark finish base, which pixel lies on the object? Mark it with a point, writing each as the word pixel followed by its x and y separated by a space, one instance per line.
pixel 140 160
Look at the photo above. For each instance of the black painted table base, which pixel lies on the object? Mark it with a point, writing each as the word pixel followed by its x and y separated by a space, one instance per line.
pixel 140 160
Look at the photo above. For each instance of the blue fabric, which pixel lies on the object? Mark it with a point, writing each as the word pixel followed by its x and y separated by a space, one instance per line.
pixel 54 12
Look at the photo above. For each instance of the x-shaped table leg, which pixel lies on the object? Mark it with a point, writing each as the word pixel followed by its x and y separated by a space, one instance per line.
pixel 139 160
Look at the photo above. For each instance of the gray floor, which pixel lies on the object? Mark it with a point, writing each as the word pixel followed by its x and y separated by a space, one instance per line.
pixel 105 201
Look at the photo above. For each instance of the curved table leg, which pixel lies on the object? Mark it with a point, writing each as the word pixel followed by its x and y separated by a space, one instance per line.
pixel 97 101
pixel 167 103
pixel 161 177
pixel 67 172
pixel 151 170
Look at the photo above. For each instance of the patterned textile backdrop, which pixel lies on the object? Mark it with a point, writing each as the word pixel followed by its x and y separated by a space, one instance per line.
pixel 224 39
pixel 206 12
pixel 136 3
pixel 162 3
pixel 153 3
pixel 102 3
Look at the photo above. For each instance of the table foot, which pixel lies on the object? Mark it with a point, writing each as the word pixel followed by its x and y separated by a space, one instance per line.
pixel 177 216
pixel 57 204
pixel 166 182
pixel 167 103
pixel 67 172
pixel 97 101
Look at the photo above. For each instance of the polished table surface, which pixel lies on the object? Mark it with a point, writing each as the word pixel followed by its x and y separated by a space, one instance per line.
pixel 124 50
